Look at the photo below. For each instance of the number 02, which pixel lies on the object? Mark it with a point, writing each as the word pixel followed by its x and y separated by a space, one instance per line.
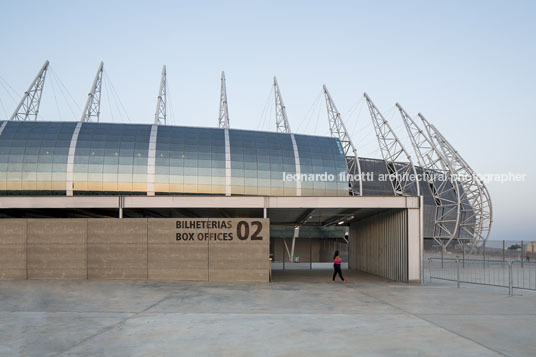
pixel 242 230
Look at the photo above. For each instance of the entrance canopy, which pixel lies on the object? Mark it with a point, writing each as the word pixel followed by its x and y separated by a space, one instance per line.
pixel 384 233
pixel 284 211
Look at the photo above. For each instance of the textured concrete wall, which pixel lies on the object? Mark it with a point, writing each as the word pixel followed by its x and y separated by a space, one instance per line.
pixel 56 248
pixel 131 249
pixel 117 248
pixel 170 259
pixel 12 249
pixel 241 260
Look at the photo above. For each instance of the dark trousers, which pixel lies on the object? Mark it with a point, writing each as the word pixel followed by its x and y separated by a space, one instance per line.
pixel 337 270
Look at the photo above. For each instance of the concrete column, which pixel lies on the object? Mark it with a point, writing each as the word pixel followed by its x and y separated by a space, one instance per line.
pixel 298 165
pixel 227 163
pixel 70 160
pixel 151 160
pixel 414 245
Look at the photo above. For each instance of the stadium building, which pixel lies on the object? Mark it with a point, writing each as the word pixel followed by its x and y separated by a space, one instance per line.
pixel 93 200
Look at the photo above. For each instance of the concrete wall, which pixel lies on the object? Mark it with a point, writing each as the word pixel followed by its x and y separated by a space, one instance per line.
pixel 13 249
pixel 388 244
pixel 172 260
pixel 117 248
pixel 56 248
pixel 241 260
pixel 129 249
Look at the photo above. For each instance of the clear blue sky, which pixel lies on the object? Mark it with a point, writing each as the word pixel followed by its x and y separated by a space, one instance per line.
pixel 469 66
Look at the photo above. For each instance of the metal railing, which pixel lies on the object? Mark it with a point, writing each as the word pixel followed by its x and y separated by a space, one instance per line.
pixel 492 249
pixel 508 274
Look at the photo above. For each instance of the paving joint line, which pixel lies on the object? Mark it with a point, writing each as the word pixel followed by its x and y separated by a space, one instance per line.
pixel 106 329
pixel 441 327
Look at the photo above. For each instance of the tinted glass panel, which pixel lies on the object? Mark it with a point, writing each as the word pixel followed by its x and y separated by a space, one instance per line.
pixel 114 158
pixel 35 154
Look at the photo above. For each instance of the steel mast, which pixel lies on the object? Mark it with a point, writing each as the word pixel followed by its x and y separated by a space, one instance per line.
pixel 476 206
pixel 161 101
pixel 223 119
pixel 400 173
pixel 440 179
pixel 29 104
pixel 92 108
pixel 281 121
pixel 338 130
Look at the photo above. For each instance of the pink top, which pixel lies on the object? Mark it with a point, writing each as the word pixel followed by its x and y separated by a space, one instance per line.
pixel 336 261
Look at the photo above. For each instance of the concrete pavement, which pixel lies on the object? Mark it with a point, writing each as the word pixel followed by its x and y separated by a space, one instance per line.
pixel 300 313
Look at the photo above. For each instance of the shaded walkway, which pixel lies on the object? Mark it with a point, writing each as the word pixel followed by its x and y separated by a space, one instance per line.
pixel 325 275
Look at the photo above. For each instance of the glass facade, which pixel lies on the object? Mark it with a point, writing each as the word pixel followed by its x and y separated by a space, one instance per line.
pixel 258 162
pixel 375 187
pixel 320 156
pixel 113 159
pixel 33 157
pixel 190 160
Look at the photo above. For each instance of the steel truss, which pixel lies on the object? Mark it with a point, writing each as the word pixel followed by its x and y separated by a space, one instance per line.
pixel 223 118
pixel 338 130
pixel 440 180
pixel 92 108
pixel 29 104
pixel 281 121
pixel 160 115
pixel 402 175
pixel 476 208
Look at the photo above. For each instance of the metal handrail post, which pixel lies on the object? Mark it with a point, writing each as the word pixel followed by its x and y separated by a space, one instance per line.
pixel 430 269
pixel 522 254
pixel 310 254
pixel 510 280
pixel 270 271
pixel 284 254
pixel 484 253
pixel 458 272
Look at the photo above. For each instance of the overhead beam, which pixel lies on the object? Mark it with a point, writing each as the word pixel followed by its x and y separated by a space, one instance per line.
pixel 304 216
pixel 347 215
pixel 191 202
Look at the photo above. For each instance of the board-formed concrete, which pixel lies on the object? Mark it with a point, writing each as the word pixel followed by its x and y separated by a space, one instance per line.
pixel 170 259
pixel 12 249
pixel 300 313
pixel 56 248
pixel 241 260
pixel 117 249
pixel 110 248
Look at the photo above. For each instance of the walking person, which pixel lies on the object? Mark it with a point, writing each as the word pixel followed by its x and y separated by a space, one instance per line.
pixel 527 257
pixel 337 260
